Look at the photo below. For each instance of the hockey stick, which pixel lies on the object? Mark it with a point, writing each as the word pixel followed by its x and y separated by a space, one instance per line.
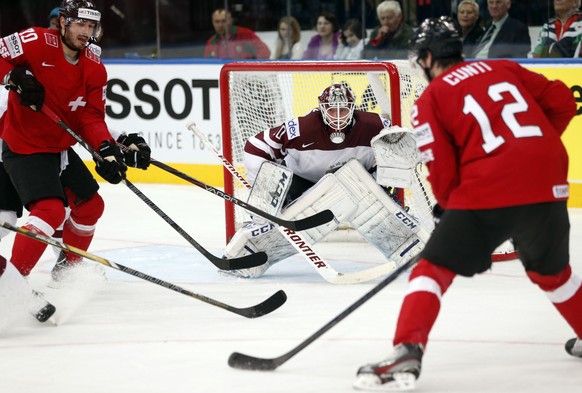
pixel 223 264
pixel 271 304
pixel 247 362
pixel 298 242
pixel 297 225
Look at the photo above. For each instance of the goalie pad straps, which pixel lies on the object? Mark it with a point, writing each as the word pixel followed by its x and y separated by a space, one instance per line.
pixel 396 155
pixel 328 193
pixel 379 219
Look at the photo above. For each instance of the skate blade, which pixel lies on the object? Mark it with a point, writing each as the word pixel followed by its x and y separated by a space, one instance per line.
pixel 371 382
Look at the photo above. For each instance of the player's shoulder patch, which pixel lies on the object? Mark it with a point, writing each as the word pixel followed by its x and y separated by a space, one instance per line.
pixel 92 55
pixel 423 135
pixel 11 46
pixel 292 128
pixel 51 40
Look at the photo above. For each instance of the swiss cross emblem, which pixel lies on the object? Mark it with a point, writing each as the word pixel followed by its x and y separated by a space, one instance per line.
pixel 77 103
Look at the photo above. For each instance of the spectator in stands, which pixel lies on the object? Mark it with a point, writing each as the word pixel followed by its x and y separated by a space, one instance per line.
pixel 53 18
pixel 560 36
pixel 432 9
pixel 233 42
pixel 288 44
pixel 505 37
pixel 469 23
pixel 323 45
pixel 351 43
pixel 389 40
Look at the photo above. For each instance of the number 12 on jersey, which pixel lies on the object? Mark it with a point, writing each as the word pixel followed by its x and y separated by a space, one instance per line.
pixel 510 109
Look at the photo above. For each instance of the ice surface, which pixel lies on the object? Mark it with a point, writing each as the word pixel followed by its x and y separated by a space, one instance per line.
pixel 496 333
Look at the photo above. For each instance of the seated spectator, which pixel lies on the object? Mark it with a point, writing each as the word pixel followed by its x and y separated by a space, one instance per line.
pixel 505 37
pixel 323 45
pixel 288 44
pixel 468 20
pixel 560 36
pixel 351 43
pixel 390 39
pixel 53 18
pixel 233 42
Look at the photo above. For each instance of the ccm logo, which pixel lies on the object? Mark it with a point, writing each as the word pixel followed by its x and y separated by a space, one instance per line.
pixel 405 220
pixel 262 230
pixel 279 191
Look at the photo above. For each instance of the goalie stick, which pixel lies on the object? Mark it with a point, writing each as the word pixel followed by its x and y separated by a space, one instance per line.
pixel 247 362
pixel 328 273
pixel 245 262
pixel 271 304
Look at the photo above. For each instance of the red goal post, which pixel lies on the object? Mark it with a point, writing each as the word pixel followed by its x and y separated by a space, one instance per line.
pixel 256 96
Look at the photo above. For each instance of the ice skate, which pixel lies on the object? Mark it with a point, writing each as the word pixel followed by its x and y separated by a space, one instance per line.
pixel 574 347
pixel 65 273
pixel 398 372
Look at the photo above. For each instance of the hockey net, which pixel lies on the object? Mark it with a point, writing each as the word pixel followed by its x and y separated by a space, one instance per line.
pixel 256 96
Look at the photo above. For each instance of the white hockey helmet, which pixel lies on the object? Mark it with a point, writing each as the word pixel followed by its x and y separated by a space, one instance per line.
pixel 337 104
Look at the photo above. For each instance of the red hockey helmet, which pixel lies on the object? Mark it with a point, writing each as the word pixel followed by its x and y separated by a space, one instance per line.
pixel 337 104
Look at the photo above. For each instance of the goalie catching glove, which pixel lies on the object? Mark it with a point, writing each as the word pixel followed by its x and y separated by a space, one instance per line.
pixel 138 153
pixel 396 155
pixel 111 168
pixel 30 89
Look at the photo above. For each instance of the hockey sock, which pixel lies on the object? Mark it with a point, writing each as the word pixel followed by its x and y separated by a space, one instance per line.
pixel 45 215
pixel 79 228
pixel 565 292
pixel 421 305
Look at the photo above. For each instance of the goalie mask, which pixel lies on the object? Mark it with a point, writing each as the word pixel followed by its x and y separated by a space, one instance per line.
pixel 78 11
pixel 337 104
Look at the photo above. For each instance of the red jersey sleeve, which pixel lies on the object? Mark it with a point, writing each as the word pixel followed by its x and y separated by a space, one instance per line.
pixel 554 97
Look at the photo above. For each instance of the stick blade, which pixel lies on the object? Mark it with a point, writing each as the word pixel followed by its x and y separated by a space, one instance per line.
pixel 244 262
pixel 246 362
pixel 315 220
pixel 269 305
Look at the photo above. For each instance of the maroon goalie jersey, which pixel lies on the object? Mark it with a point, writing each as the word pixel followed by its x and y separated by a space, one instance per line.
pixel 76 93
pixel 489 132
pixel 305 146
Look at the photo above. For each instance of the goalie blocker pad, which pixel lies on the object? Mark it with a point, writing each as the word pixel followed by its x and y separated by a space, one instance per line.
pixel 396 155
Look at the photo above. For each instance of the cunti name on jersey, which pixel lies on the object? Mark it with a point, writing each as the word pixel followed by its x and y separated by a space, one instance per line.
pixel 466 71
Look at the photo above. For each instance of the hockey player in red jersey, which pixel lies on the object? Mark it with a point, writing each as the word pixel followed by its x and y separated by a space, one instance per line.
pixel 489 132
pixel 58 69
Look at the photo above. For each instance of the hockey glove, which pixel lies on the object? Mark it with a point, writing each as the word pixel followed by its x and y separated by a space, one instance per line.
pixel 437 213
pixel 139 154
pixel 112 168
pixel 30 89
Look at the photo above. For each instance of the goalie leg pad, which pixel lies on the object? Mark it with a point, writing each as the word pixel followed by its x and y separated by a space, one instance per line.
pixel 379 219
pixel 328 193
pixel 270 188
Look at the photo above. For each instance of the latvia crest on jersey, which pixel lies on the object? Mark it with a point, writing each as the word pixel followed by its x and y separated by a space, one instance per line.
pixel 337 104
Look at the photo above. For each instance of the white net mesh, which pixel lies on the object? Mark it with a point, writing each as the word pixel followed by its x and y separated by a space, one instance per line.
pixel 259 96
